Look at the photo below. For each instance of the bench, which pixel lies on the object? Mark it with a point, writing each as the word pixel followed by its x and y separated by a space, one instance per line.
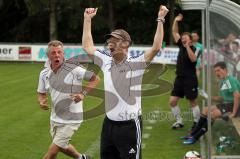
pixel 236 123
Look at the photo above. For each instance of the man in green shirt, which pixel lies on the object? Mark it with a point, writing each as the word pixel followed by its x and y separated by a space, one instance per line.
pixel 229 103
pixel 199 50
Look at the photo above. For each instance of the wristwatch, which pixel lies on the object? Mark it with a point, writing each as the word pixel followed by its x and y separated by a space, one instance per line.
pixel 84 92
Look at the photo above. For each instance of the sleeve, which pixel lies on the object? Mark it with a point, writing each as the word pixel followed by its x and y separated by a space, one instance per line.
pixel 234 85
pixel 198 52
pixel 42 83
pixel 88 75
pixel 84 74
pixel 201 48
pixel 179 43
pixel 194 49
pixel 99 57
pixel 138 63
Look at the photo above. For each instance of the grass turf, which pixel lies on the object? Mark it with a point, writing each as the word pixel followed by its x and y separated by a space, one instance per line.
pixel 24 130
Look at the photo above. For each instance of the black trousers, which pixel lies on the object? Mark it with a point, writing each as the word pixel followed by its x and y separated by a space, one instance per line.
pixel 121 139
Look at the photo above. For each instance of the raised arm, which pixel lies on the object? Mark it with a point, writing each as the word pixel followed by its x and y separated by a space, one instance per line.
pixel 158 38
pixel 175 30
pixel 87 40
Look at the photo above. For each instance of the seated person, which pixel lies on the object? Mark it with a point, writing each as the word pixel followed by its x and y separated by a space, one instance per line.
pixel 235 51
pixel 229 103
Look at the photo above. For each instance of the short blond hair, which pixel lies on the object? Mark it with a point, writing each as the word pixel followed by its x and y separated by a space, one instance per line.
pixel 54 43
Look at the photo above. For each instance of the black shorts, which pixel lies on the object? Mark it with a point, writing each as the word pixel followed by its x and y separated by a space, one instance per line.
pixel 121 139
pixel 187 87
pixel 227 108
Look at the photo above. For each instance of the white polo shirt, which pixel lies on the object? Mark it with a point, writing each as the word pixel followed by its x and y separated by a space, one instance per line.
pixel 122 84
pixel 60 85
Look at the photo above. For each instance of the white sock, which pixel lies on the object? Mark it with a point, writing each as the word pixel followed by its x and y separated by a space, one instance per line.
pixel 196 113
pixel 80 157
pixel 177 113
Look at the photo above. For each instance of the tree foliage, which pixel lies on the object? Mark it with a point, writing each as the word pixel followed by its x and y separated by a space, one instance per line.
pixel 30 21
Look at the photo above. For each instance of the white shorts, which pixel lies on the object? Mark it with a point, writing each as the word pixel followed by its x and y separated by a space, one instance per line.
pixel 62 133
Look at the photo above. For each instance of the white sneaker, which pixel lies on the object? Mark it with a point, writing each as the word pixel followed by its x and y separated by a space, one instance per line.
pixel 203 93
pixel 84 156
pixel 177 125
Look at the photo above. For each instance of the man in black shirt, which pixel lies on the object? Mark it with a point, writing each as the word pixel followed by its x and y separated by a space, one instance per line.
pixel 186 83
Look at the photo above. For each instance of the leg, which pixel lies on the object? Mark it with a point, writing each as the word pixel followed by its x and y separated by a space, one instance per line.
pixel 177 92
pixel 107 147
pixel 52 152
pixel 195 110
pixel 202 126
pixel 45 156
pixel 176 112
pixel 198 72
pixel 175 108
pixel 203 119
pixel 191 93
pixel 109 152
pixel 215 113
pixel 129 144
pixel 70 151
pixel 198 131
pixel 205 111
pixel 62 134
pixel 173 101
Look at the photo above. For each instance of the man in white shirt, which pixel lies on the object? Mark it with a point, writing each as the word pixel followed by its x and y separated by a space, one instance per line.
pixel 63 81
pixel 121 131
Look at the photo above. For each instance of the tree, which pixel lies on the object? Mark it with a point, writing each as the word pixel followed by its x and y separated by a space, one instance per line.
pixel 52 20
pixel 43 20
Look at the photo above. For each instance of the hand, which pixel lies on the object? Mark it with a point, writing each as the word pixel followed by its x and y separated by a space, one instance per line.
pixel 43 105
pixel 162 11
pixel 90 12
pixel 179 17
pixel 187 44
pixel 231 115
pixel 77 97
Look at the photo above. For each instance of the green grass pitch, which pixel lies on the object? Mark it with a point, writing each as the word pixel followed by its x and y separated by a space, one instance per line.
pixel 24 130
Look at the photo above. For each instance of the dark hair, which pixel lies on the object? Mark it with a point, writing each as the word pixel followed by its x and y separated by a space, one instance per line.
pixel 188 34
pixel 233 33
pixel 196 32
pixel 220 64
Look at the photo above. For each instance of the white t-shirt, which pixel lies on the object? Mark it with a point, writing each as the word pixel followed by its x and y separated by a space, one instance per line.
pixel 122 84
pixel 60 85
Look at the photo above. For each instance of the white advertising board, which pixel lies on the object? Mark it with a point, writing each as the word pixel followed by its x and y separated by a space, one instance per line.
pixel 167 55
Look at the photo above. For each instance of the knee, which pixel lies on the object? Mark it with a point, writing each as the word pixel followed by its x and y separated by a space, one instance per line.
pixel 45 156
pixel 52 152
pixel 205 111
